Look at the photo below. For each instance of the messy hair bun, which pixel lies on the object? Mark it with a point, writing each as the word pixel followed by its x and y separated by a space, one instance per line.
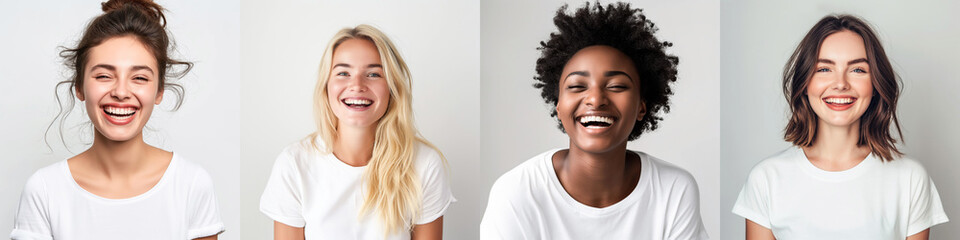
pixel 141 19
pixel 146 7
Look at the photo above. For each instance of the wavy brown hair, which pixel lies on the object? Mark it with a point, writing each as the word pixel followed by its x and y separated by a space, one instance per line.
pixel 875 131
pixel 142 19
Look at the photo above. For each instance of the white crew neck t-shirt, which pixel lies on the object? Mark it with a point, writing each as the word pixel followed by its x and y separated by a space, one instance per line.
pixel 529 202
pixel 181 205
pixel 873 200
pixel 324 195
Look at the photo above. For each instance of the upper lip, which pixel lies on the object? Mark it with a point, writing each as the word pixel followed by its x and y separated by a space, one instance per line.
pixel 120 105
pixel 838 96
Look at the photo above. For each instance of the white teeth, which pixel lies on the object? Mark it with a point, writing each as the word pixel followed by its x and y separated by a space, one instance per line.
pixel 586 119
pixel 357 101
pixel 119 111
pixel 838 100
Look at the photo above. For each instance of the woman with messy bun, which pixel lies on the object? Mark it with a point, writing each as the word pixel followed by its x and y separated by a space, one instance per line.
pixel 120 187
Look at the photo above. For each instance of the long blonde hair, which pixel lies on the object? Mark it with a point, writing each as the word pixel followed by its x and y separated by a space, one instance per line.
pixel 392 184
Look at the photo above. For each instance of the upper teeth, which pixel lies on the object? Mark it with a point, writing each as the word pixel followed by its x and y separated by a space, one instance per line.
pixel 587 119
pixel 357 101
pixel 839 100
pixel 119 111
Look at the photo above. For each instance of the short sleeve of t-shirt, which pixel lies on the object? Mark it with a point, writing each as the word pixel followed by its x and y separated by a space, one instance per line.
pixel 926 210
pixel 500 221
pixel 754 197
pixel 687 223
pixel 205 213
pixel 436 189
pixel 31 221
pixel 281 200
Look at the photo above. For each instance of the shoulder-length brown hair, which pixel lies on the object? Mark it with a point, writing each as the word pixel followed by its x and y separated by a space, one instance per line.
pixel 875 129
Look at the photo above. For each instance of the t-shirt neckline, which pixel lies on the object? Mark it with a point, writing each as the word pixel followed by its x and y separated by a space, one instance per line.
pixel 171 168
pixel 834 176
pixel 645 171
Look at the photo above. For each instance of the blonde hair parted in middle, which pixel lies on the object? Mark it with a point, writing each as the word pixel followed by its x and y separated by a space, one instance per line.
pixel 392 184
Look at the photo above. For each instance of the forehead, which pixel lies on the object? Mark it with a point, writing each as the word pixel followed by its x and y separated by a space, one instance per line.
pixel 600 58
pixel 842 45
pixel 121 52
pixel 356 50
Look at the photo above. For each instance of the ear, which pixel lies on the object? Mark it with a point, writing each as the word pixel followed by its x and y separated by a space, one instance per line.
pixel 159 97
pixel 642 110
pixel 79 93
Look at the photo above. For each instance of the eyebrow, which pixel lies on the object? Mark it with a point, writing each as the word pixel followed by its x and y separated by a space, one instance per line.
pixel 855 61
pixel 605 74
pixel 375 65
pixel 113 68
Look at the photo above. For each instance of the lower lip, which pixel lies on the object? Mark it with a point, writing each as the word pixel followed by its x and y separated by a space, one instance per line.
pixel 116 121
pixel 840 107
pixel 594 130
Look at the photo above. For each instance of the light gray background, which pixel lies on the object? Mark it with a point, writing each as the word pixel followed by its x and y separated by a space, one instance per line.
pixel 516 122
pixel 921 40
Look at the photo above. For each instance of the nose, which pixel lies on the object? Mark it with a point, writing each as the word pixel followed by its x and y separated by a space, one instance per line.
pixel 356 84
pixel 596 97
pixel 842 82
pixel 121 89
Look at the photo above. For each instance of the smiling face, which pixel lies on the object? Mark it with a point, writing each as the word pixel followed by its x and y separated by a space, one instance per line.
pixel 840 89
pixel 357 89
pixel 599 99
pixel 120 87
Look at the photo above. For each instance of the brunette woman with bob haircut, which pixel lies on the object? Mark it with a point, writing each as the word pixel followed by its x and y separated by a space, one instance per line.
pixel 844 178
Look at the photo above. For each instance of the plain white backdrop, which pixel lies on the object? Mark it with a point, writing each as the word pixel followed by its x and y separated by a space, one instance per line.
pixel 517 123
pixel 920 39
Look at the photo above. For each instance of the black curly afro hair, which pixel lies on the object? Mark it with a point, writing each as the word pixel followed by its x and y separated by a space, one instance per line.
pixel 623 28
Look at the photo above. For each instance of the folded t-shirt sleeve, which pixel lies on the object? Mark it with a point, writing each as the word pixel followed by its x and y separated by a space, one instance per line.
pixel 437 195
pixel 32 219
pixel 282 197
pixel 926 210
pixel 203 209
pixel 754 200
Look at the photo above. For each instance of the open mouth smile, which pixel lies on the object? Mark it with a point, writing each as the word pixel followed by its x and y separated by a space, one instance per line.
pixel 595 121
pixel 357 103
pixel 839 103
pixel 119 115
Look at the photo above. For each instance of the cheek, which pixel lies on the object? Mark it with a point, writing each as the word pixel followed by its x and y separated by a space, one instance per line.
pixel 864 87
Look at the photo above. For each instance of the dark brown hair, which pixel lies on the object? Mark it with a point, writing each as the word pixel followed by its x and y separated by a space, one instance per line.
pixel 875 131
pixel 142 19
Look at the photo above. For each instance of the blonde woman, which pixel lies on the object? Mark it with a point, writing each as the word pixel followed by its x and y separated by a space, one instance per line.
pixel 365 173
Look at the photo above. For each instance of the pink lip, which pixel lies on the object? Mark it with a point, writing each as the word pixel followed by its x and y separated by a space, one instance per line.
pixel 115 121
pixel 838 106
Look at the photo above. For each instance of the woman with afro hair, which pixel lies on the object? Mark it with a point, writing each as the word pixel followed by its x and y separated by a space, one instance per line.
pixel 609 78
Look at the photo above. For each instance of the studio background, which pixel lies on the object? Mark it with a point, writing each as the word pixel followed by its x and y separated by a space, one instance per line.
pixel 920 39
pixel 516 122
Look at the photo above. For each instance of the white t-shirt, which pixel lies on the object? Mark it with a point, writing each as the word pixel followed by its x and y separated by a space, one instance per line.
pixel 323 195
pixel 873 200
pixel 181 205
pixel 528 202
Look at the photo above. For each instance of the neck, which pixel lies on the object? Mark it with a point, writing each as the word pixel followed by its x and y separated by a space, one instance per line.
pixel 354 146
pixel 835 147
pixel 119 158
pixel 597 179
